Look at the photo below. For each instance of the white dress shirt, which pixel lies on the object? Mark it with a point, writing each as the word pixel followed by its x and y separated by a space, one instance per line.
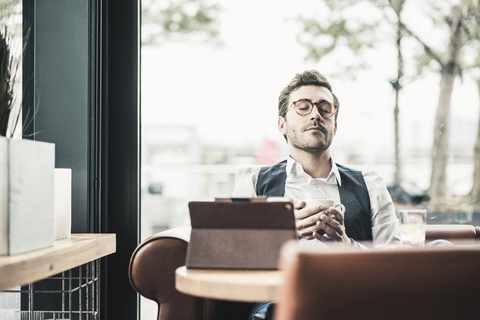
pixel 300 185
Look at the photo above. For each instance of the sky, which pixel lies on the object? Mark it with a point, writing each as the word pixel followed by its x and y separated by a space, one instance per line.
pixel 230 93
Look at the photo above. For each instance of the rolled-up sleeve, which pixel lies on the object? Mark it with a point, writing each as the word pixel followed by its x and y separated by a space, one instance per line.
pixel 246 182
pixel 385 225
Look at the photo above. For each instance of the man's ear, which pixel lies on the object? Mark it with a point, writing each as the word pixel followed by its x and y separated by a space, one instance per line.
pixel 282 126
pixel 335 130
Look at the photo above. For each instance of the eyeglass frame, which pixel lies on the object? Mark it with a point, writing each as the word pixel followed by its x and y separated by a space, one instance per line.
pixel 314 104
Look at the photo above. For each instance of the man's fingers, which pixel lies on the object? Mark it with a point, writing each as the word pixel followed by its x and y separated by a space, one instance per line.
pixel 334 213
pixel 322 237
pixel 298 204
pixel 319 234
pixel 307 222
pixel 307 236
pixel 325 224
pixel 331 226
pixel 308 211
pixel 306 233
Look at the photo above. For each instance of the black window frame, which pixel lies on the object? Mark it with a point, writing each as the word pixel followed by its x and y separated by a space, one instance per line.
pixel 120 160
pixel 112 133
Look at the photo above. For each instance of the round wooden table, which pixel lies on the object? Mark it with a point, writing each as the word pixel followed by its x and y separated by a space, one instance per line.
pixel 236 285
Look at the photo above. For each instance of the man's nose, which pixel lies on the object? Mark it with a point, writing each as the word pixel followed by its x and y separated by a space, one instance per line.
pixel 315 115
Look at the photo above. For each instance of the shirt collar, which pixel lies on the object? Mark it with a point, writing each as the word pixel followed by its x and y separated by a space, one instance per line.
pixel 292 165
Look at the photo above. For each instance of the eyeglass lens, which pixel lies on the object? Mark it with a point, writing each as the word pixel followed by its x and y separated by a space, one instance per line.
pixel 304 107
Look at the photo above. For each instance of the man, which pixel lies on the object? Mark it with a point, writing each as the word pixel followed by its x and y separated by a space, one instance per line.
pixel 308 112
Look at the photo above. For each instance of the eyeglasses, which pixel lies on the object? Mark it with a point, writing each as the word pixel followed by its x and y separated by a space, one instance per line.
pixel 304 107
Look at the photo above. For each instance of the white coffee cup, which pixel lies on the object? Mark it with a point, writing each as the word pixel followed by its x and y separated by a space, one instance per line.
pixel 326 202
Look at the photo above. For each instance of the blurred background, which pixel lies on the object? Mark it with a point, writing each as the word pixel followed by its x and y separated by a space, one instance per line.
pixel 406 74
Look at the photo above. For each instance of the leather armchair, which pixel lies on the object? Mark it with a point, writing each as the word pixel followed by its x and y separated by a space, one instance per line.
pixel 153 264
pixel 152 274
pixel 431 283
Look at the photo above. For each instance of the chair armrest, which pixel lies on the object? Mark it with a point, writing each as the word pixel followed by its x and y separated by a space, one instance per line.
pixel 152 274
pixel 452 232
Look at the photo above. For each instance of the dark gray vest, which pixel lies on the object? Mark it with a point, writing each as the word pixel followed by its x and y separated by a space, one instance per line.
pixel 353 195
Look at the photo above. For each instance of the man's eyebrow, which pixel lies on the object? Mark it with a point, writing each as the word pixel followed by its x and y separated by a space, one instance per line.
pixel 320 101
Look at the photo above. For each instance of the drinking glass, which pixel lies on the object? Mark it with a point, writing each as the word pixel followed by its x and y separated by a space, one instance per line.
pixel 412 226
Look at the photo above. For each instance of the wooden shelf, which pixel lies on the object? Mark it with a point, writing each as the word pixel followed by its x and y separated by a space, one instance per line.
pixel 65 254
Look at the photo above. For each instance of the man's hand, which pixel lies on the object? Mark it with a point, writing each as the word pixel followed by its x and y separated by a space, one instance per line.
pixel 306 218
pixel 330 227
pixel 324 224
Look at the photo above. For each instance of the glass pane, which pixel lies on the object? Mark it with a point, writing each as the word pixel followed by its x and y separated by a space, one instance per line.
pixel 11 28
pixel 210 109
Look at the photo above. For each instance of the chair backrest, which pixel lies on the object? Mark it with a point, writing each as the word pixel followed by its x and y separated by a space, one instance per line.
pixel 456 233
pixel 430 283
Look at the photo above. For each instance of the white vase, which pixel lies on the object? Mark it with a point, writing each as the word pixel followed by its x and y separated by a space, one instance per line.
pixel 26 195
pixel 62 205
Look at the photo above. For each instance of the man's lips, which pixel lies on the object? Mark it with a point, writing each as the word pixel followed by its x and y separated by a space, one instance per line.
pixel 316 128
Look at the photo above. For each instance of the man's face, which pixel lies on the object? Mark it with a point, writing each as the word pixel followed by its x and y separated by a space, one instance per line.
pixel 311 133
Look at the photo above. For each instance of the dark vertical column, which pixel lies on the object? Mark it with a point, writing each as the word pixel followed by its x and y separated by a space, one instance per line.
pixel 120 151
pixel 60 86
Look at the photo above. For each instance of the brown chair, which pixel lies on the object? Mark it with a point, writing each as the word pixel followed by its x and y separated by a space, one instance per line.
pixel 430 283
pixel 154 261
pixel 152 274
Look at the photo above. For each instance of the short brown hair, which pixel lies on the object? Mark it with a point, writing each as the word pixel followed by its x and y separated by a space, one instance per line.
pixel 306 78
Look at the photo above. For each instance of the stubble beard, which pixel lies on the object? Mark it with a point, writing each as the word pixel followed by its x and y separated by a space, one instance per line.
pixel 313 146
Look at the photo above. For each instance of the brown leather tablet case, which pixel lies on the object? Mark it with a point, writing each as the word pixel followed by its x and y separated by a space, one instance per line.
pixel 239 233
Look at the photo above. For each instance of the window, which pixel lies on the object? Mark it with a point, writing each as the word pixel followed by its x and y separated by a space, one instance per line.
pixel 208 110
